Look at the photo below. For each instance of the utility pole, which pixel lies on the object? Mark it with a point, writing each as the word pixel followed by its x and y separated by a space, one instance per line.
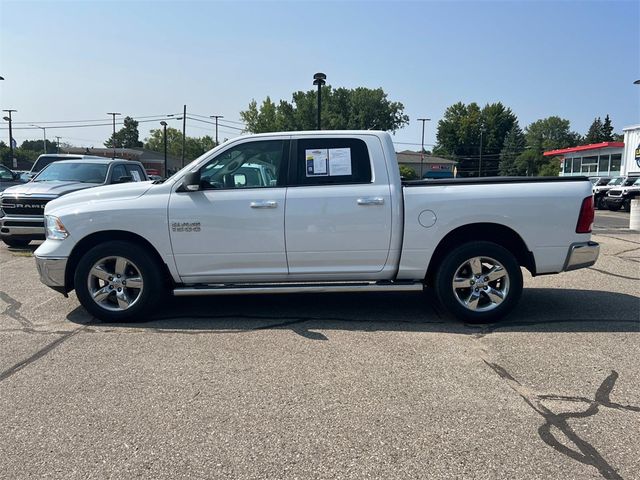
pixel 58 143
pixel 423 120
pixel 319 80
pixel 8 119
pixel 184 131
pixel 216 117
pixel 480 166
pixel 164 125
pixel 44 134
pixel 113 114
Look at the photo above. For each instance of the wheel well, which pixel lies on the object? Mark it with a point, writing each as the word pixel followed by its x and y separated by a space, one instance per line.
pixel 90 241
pixel 490 232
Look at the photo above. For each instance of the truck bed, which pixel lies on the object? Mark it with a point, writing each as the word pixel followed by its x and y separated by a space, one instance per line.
pixel 485 180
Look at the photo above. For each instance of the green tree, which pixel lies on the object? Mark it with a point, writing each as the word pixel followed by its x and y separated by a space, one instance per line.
pixel 551 168
pixel 194 146
pixel 551 133
pixel 359 109
pixel 528 163
pixel 513 146
pixel 607 129
pixel 36 146
pixel 126 137
pixel 408 173
pixel 458 136
pixel 595 134
pixel 546 134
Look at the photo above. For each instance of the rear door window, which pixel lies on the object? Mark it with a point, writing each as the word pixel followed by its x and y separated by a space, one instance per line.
pixel 332 161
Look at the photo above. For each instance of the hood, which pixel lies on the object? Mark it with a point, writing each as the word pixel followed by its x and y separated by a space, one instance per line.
pixel 47 188
pixel 123 191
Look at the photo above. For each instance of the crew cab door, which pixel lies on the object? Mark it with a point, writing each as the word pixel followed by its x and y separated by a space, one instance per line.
pixel 232 229
pixel 338 217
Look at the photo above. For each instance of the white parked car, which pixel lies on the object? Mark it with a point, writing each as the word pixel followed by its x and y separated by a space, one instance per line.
pixel 313 212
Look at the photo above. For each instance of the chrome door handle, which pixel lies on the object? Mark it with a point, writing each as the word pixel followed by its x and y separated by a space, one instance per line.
pixel 371 201
pixel 264 204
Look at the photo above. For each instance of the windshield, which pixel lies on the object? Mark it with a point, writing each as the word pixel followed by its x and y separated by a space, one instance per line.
pixel 616 181
pixel 42 162
pixel 73 172
pixel 629 182
pixel 637 183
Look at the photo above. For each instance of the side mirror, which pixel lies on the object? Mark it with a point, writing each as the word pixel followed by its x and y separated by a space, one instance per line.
pixel 191 182
pixel 16 176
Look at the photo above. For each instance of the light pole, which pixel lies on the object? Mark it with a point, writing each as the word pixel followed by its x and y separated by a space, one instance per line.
pixel 216 117
pixel 113 114
pixel 58 144
pixel 319 80
pixel 480 166
pixel 8 119
pixel 44 136
pixel 164 125
pixel 423 120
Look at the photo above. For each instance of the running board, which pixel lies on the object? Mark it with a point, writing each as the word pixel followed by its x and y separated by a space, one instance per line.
pixel 273 288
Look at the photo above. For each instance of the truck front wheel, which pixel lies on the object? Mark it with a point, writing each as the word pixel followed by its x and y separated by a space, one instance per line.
pixel 118 281
pixel 479 282
pixel 16 242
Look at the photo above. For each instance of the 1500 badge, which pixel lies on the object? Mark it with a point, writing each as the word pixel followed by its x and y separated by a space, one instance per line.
pixel 185 226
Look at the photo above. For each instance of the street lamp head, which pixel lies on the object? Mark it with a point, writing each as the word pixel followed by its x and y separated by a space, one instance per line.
pixel 637 82
pixel 6 119
pixel 163 123
pixel 319 76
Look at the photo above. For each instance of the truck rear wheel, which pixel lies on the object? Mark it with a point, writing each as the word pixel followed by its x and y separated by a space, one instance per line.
pixel 118 282
pixel 479 282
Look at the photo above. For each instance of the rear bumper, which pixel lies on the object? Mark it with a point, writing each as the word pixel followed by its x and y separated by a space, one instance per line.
pixel 52 271
pixel 32 227
pixel 581 255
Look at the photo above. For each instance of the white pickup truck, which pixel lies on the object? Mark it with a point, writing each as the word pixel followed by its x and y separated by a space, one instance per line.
pixel 313 212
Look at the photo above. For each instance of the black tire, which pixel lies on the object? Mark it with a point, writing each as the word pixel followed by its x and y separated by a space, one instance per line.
pixel 137 264
pixel 626 205
pixel 493 302
pixel 598 202
pixel 16 242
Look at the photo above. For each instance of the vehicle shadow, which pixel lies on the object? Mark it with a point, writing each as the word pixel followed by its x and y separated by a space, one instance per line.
pixel 540 310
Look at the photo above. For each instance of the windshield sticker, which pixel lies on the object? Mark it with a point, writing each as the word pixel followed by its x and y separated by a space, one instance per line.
pixel 316 160
pixel 136 176
pixel 339 161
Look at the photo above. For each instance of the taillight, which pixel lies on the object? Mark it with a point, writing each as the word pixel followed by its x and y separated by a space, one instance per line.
pixel 585 220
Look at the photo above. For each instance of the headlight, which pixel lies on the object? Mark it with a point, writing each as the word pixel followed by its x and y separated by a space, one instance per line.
pixel 54 227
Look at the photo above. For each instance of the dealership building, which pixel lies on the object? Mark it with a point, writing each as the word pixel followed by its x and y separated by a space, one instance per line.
pixel 606 159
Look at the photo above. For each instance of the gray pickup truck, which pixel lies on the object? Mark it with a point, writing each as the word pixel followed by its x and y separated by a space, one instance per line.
pixel 22 206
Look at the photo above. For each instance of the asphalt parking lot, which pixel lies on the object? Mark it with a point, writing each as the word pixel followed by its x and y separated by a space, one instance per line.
pixel 328 386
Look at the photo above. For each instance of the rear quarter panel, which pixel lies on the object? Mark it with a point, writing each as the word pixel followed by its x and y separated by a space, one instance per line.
pixel 543 214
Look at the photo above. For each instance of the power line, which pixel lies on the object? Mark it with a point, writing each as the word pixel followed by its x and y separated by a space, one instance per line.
pixel 159 116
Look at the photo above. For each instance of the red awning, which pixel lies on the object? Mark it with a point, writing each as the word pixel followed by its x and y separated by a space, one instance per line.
pixel 593 146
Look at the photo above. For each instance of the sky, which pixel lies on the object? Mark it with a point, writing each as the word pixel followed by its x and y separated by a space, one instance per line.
pixel 69 61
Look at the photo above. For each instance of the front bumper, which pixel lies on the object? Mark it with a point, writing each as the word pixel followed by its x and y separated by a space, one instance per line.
pixel 52 271
pixel 613 201
pixel 11 226
pixel 581 255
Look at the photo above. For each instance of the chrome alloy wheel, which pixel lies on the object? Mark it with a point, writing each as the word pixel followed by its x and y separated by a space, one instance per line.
pixel 480 284
pixel 115 283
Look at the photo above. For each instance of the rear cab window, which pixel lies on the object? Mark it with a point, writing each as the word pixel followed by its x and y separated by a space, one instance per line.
pixel 136 173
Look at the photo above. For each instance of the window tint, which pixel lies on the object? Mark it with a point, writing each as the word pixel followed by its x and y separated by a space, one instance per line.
pixel 332 161
pixel 249 165
pixel 118 171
